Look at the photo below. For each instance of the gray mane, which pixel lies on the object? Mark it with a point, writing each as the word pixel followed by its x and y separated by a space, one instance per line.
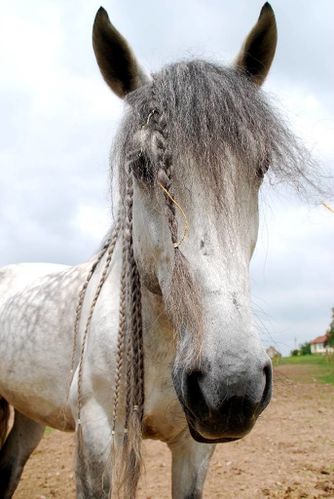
pixel 211 113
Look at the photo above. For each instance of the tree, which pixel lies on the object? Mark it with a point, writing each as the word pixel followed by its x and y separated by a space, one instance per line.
pixel 331 331
pixel 305 349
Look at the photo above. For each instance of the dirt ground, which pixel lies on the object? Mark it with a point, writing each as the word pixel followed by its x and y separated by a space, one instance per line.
pixel 289 454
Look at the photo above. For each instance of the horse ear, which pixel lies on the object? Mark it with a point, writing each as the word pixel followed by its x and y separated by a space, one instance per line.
pixel 258 50
pixel 116 61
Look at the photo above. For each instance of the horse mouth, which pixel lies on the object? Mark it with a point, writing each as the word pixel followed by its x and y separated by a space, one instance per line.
pixel 206 437
pixel 204 440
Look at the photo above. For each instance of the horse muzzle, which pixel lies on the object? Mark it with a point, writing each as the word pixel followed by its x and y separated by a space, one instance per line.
pixel 219 410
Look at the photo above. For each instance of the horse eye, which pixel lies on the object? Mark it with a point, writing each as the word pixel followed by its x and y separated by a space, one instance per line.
pixel 142 168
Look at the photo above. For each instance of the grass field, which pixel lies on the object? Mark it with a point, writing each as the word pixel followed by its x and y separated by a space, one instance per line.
pixel 317 367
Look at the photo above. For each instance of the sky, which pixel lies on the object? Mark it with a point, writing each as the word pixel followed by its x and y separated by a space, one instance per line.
pixel 58 119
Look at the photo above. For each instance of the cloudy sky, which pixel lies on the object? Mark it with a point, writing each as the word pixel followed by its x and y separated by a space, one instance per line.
pixel 58 119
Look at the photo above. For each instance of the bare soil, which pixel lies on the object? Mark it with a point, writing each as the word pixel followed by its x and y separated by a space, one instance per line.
pixel 289 454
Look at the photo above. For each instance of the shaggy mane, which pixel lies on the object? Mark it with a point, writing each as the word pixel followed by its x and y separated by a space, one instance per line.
pixel 213 112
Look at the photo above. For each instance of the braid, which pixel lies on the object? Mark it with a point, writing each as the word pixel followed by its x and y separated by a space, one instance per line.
pixel 134 398
pixel 110 241
pixel 120 342
pixel 139 345
pixel 164 159
pixel 181 297
pixel 127 241
pixel 109 253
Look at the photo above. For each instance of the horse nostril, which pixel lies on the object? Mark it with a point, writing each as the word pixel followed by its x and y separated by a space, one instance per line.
pixel 266 396
pixel 193 393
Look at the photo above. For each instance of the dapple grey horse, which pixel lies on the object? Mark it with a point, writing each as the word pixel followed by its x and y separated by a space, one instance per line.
pixel 195 144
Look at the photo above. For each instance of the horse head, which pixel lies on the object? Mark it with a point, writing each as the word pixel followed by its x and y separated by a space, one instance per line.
pixel 197 140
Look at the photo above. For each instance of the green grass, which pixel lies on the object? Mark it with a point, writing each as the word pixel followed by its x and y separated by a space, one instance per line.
pixel 322 360
pixel 321 367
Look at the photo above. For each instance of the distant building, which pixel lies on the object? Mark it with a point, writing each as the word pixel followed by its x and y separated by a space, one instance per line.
pixel 273 353
pixel 320 345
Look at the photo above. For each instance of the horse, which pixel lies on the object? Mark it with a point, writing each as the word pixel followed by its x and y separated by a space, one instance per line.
pixel 154 337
